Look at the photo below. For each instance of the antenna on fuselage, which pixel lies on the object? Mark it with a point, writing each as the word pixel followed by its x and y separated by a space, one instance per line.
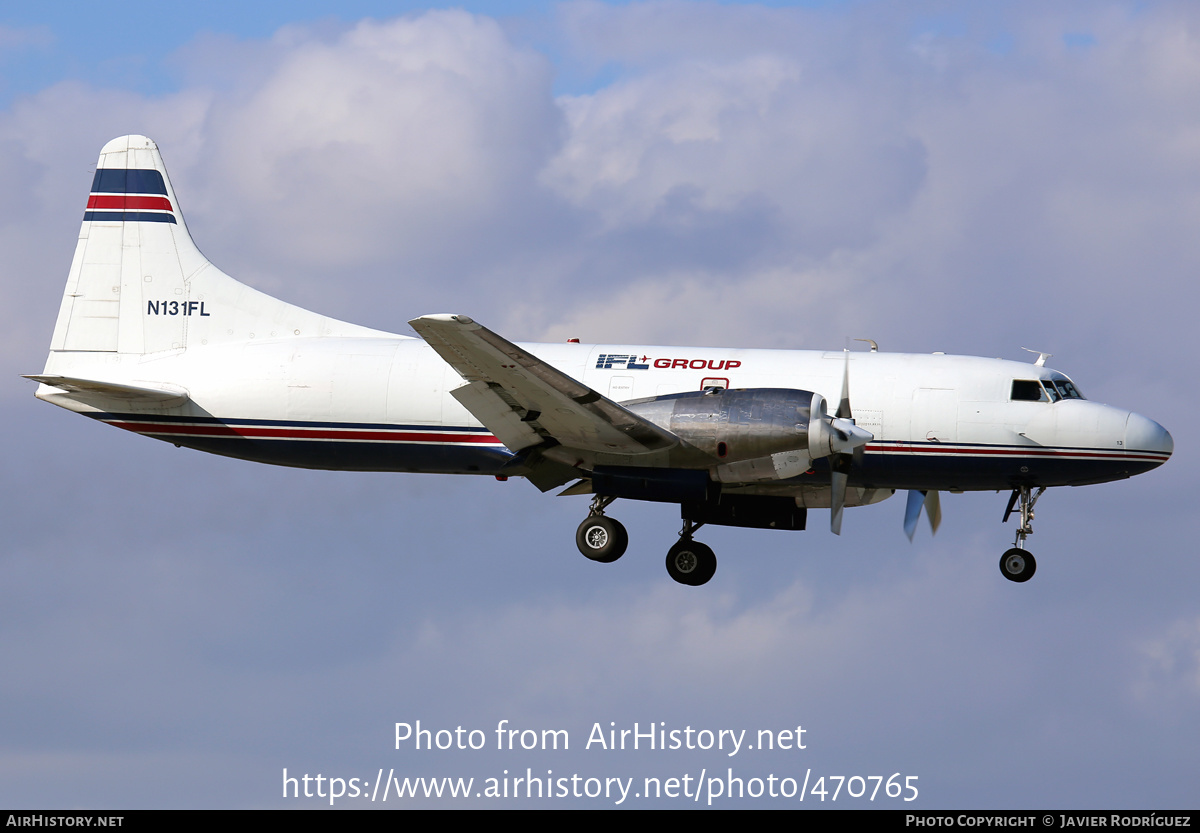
pixel 1041 359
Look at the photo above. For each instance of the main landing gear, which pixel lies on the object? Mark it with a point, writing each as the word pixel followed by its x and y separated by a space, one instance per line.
pixel 690 562
pixel 1018 564
pixel 599 537
pixel 603 539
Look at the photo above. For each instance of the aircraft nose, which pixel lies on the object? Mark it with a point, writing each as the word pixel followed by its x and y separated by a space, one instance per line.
pixel 1142 434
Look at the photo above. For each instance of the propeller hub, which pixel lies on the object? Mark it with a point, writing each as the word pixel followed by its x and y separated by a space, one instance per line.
pixel 847 436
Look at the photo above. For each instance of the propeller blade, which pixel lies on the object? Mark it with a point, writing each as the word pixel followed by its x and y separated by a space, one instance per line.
pixel 912 511
pixel 837 500
pixel 933 510
pixel 843 410
pixel 846 445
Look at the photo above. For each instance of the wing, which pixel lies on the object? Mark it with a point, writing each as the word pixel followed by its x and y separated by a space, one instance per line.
pixel 526 403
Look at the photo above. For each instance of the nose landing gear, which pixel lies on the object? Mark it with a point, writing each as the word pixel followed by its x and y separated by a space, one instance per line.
pixel 1018 564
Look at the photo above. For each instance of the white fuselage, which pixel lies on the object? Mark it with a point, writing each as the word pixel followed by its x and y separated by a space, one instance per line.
pixel 383 403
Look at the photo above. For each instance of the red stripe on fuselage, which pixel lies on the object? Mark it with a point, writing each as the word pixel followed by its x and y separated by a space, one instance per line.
pixel 258 432
pixel 410 436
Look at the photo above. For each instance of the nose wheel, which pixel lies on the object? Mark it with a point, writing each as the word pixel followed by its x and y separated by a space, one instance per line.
pixel 1018 564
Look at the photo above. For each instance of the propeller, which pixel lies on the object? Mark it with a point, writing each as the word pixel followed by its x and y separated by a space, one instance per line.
pixel 846 452
pixel 853 439
pixel 912 511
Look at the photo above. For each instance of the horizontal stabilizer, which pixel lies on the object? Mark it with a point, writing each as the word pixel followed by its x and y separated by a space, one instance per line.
pixel 85 389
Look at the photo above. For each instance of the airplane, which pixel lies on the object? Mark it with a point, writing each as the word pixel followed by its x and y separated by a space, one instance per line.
pixel 153 338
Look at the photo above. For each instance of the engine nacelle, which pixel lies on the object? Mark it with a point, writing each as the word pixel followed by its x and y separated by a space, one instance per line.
pixel 747 429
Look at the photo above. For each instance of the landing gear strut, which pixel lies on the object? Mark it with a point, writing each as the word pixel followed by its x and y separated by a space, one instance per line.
pixel 1018 564
pixel 690 562
pixel 599 537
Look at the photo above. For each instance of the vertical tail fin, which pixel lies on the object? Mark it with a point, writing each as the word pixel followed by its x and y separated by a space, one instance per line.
pixel 138 284
pixel 134 252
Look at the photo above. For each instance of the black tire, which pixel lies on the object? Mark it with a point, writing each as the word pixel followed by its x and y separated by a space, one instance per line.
pixel 1018 565
pixel 691 563
pixel 602 539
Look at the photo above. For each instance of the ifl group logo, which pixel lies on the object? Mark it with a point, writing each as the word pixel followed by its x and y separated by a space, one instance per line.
pixel 624 361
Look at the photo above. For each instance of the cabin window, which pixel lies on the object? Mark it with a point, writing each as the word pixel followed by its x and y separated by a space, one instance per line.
pixel 1027 390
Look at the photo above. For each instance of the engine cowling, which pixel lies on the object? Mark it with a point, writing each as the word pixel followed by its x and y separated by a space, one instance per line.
pixel 755 433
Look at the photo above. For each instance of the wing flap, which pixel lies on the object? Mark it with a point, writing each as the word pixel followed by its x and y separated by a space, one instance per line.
pixel 526 398
pixel 496 411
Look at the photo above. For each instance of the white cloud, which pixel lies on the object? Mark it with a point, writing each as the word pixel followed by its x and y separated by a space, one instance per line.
pixel 1171 664
pixel 16 38
pixel 400 135
pixel 697 138
pixel 1040 187
pixel 763 160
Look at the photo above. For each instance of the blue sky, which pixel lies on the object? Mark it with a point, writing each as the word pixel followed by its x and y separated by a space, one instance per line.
pixel 178 629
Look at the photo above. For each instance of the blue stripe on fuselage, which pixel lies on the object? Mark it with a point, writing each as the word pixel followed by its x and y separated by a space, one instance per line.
pixel 982 471
pixel 428 458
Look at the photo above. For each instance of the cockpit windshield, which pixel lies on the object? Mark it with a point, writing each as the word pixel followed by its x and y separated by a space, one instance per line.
pixel 1044 390
pixel 1065 387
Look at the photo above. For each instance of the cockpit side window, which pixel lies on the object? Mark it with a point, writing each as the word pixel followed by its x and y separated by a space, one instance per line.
pixel 1027 390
